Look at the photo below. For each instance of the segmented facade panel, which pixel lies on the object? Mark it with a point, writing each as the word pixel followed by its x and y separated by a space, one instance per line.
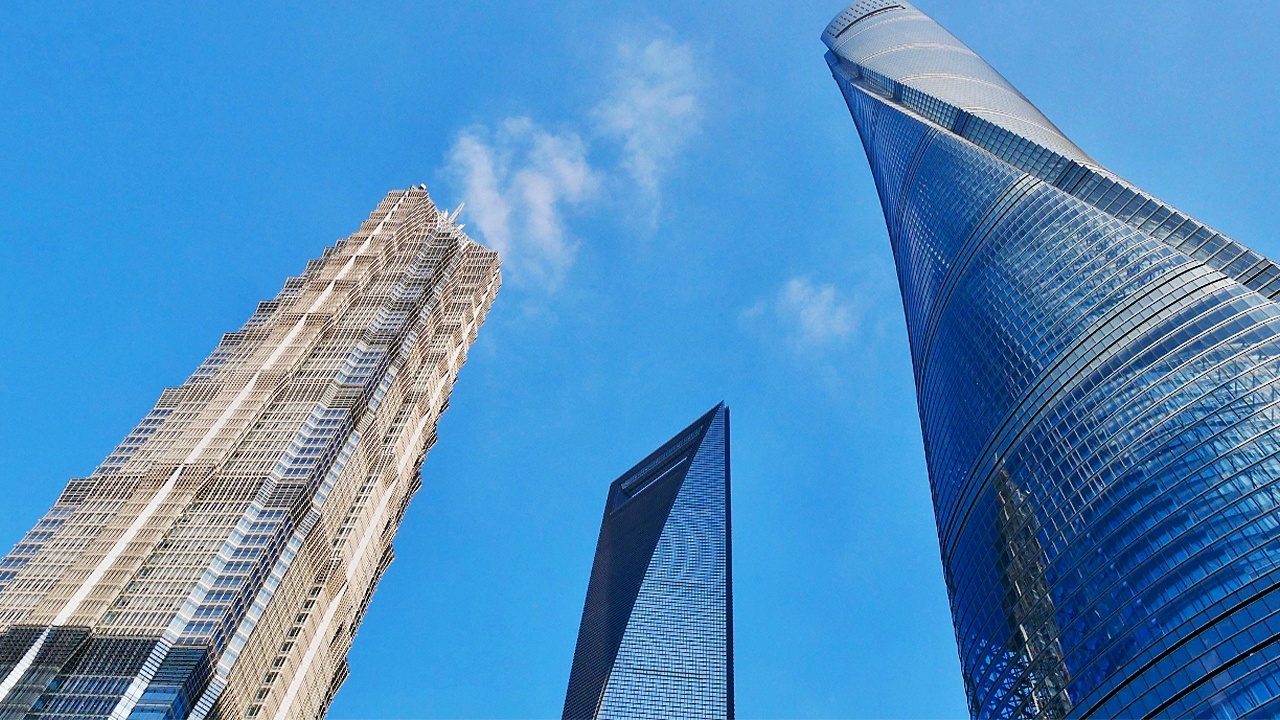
pixel 218 563
pixel 1098 379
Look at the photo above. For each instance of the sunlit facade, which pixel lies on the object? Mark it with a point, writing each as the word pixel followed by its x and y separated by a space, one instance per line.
pixel 219 561
pixel 1098 377
pixel 656 639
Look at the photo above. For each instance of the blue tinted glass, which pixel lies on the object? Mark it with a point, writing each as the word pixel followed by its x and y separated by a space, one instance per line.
pixel 1099 388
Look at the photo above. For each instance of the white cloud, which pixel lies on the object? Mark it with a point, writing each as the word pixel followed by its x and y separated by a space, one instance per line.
pixel 517 182
pixel 654 108
pixel 817 314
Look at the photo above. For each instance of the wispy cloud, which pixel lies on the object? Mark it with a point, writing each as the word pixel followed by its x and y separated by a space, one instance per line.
pixel 520 181
pixel 517 182
pixel 815 315
pixel 654 109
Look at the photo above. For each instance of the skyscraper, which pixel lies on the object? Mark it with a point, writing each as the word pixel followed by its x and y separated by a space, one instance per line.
pixel 656 639
pixel 219 561
pixel 1098 378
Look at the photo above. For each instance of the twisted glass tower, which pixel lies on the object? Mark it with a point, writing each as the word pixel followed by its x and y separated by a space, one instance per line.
pixel 656 639
pixel 1098 378
pixel 218 562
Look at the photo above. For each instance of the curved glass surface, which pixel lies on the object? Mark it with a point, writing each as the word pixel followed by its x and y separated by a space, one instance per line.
pixel 1099 388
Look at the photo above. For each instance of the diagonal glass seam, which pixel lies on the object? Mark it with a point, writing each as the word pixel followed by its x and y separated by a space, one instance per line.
pixel 1080 180
pixel 1001 439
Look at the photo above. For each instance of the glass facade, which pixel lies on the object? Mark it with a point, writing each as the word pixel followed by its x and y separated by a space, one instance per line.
pixel 656 639
pixel 218 563
pixel 1098 377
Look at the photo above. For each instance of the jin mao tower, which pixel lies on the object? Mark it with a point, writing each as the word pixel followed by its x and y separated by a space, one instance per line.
pixel 219 561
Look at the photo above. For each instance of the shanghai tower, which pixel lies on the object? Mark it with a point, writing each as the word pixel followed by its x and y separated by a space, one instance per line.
pixel 1098 382
pixel 218 563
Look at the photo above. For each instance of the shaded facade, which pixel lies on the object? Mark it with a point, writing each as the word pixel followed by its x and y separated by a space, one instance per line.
pixel 656 639
pixel 219 561
pixel 1098 378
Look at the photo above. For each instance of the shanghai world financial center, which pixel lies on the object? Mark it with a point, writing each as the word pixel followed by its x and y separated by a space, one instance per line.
pixel 1098 384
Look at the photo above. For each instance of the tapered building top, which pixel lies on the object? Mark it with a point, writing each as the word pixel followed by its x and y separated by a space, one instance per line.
pixel 895 40
pixel 656 639
pixel 1097 376
pixel 219 561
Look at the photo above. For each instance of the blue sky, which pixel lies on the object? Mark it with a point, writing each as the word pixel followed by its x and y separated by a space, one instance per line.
pixel 687 217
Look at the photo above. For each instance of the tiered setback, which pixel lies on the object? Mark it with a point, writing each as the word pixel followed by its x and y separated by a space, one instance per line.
pixel 219 561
